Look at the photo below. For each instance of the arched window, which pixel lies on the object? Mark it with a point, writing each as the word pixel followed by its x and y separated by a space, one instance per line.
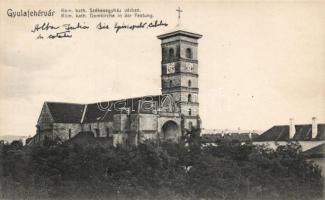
pixel 171 53
pixel 189 83
pixel 170 83
pixel 188 53
pixel 190 112
pixel 189 98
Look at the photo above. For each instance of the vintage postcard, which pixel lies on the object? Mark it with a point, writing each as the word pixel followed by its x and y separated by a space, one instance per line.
pixel 162 99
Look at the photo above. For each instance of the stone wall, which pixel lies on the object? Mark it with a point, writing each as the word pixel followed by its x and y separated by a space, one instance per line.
pixel 45 121
pixel 100 129
pixel 148 122
pixel 190 123
pixel 66 130
pixel 46 133
pixel 175 81
pixel 121 123
pixel 185 78
pixel 180 80
pixel 148 127
pixel 134 123
pixel 185 109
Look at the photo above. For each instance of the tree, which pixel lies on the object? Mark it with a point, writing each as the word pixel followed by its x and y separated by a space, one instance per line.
pixel 166 170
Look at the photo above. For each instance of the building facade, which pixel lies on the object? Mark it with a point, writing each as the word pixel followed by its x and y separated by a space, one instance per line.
pixel 133 120
pixel 308 135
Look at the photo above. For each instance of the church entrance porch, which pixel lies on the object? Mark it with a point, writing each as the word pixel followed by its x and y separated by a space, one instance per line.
pixel 170 130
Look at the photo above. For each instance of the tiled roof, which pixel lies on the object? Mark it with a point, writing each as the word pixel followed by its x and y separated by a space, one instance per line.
pixel 65 112
pixel 303 133
pixel 104 111
pixel 101 111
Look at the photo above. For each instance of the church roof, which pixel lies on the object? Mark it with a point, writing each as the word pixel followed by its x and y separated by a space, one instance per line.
pixel 104 111
pixel 179 30
pixel 101 111
pixel 303 133
pixel 65 112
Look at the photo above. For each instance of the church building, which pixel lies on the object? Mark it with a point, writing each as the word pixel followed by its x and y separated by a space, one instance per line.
pixel 132 120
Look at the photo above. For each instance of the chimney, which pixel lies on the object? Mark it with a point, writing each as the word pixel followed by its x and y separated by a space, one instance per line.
pixel 314 128
pixel 292 129
pixel 250 135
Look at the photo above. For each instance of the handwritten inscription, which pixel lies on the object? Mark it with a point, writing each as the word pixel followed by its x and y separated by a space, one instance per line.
pixel 44 27
pixel 64 34
pixel 51 31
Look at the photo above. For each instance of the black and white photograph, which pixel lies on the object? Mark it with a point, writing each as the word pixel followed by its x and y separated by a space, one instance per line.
pixel 166 100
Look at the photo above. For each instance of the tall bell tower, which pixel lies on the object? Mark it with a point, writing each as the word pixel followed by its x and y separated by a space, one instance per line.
pixel 179 76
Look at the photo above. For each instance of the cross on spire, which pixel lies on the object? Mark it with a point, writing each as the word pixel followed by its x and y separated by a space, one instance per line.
pixel 179 15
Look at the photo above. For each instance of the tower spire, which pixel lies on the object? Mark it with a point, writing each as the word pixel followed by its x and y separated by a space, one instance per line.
pixel 179 16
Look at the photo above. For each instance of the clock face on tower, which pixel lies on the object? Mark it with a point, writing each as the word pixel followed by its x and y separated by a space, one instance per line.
pixel 170 68
pixel 189 67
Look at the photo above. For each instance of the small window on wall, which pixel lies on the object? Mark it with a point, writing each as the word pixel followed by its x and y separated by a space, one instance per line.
pixel 107 132
pixel 189 83
pixel 171 53
pixel 189 53
pixel 190 112
pixel 170 83
pixel 97 132
pixel 189 98
pixel 69 133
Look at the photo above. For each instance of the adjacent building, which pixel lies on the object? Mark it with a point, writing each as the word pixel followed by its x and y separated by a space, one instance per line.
pixel 308 135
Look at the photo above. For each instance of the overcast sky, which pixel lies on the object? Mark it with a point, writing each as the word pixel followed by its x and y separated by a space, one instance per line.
pixel 259 63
